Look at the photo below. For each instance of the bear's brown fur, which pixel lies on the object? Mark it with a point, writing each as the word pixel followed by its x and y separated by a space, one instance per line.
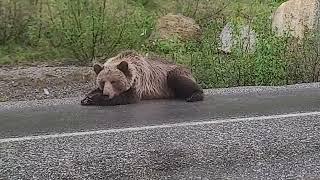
pixel 130 75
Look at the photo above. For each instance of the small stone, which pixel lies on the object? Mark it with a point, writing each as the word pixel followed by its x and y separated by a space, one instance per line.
pixel 46 91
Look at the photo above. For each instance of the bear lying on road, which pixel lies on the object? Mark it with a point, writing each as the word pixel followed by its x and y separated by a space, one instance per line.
pixel 130 77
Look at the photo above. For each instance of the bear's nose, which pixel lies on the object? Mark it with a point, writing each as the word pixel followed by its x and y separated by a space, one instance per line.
pixel 106 95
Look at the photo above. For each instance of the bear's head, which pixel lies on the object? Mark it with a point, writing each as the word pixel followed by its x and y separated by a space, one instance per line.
pixel 113 79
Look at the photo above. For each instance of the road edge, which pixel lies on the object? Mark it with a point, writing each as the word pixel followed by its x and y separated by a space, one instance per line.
pixel 241 90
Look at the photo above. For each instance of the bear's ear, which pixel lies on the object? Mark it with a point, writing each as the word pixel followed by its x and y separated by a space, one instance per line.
pixel 124 67
pixel 97 68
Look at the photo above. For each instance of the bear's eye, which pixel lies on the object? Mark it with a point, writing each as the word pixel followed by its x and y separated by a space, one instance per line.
pixel 112 82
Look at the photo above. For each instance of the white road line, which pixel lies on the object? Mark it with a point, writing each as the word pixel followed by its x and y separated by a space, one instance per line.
pixel 256 118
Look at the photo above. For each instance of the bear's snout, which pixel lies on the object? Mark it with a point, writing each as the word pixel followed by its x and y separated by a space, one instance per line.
pixel 107 96
pixel 108 91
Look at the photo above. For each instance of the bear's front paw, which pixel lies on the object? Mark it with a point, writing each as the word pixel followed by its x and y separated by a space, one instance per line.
pixel 86 101
pixel 197 96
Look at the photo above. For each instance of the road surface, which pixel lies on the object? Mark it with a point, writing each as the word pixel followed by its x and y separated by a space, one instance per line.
pixel 236 133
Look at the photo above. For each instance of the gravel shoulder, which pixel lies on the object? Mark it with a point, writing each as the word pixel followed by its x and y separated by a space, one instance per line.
pixel 38 83
pixel 41 83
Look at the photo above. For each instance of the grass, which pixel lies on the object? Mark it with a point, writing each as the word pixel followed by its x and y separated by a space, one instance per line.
pixel 56 30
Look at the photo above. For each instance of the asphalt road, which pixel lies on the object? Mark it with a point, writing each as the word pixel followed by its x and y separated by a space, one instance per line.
pixel 237 133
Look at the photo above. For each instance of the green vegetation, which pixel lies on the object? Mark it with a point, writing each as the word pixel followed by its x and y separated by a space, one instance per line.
pixel 56 30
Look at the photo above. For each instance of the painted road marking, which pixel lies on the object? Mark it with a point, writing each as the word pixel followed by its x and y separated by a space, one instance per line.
pixel 256 118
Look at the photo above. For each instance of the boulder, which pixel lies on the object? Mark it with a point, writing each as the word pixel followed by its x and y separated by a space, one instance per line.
pixel 179 26
pixel 226 39
pixel 246 37
pixel 296 17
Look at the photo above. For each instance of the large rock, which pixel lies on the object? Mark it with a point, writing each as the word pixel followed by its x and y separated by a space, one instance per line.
pixel 296 17
pixel 226 39
pixel 182 27
pixel 246 39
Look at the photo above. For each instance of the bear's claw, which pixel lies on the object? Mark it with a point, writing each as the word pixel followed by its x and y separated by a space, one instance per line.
pixel 197 96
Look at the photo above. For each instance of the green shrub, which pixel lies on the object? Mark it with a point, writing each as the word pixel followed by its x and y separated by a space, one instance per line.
pixel 92 29
pixel 47 30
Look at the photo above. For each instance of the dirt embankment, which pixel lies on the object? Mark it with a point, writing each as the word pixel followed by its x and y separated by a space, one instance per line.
pixel 33 83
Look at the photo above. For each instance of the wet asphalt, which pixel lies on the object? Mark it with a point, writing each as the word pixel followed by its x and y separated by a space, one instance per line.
pixel 227 147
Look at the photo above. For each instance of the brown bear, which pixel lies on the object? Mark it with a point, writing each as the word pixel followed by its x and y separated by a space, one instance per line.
pixel 130 77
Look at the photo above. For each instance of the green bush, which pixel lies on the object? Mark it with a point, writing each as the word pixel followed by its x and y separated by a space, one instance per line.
pixel 47 30
pixel 92 29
